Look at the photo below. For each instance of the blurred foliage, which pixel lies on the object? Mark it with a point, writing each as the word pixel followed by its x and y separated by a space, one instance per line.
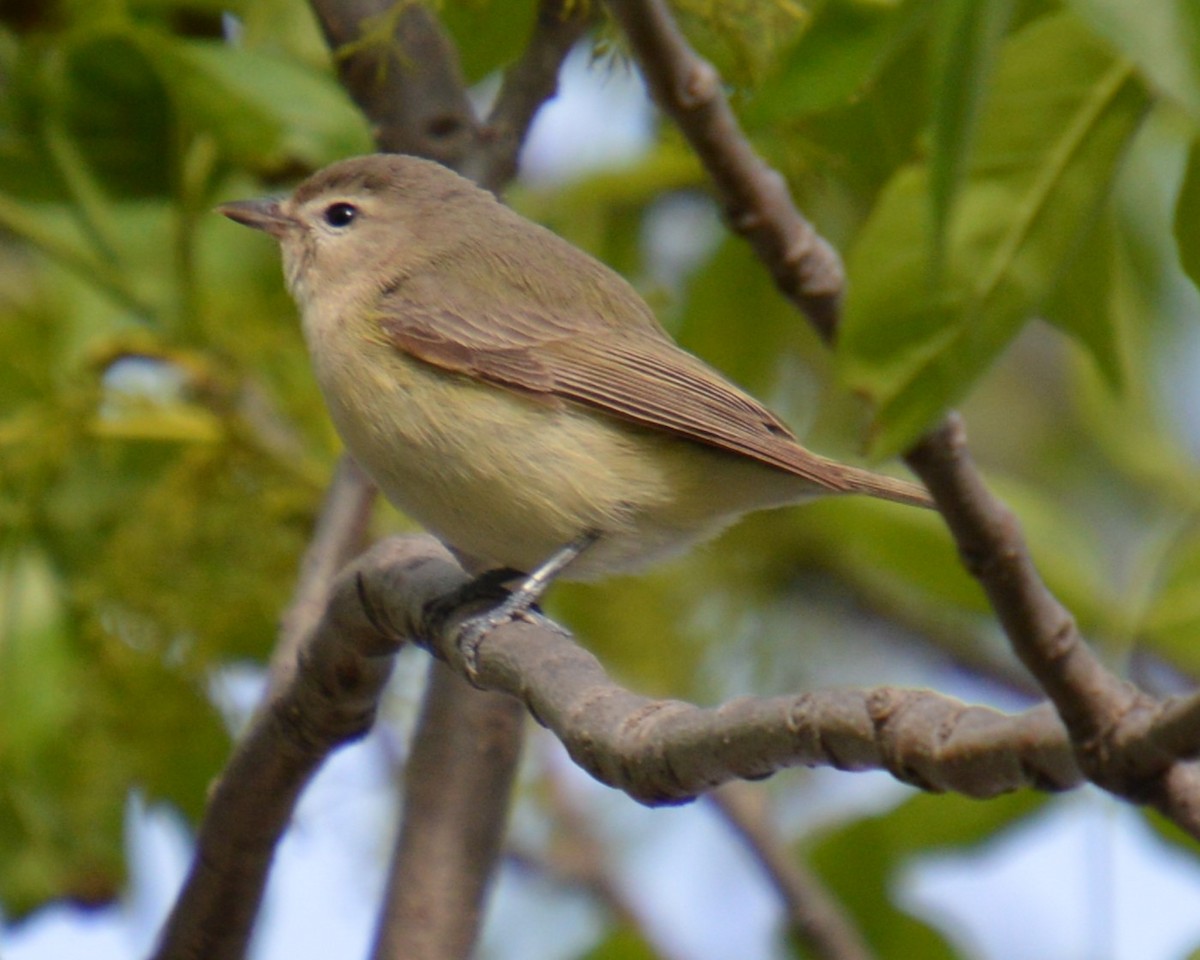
pixel 861 861
pixel 1016 187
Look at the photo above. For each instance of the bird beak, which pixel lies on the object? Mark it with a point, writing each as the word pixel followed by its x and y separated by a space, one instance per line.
pixel 265 215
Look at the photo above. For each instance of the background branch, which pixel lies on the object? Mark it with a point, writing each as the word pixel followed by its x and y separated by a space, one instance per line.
pixel 397 64
pixel 817 926
pixel 577 856
pixel 1093 702
pixel 340 533
pixel 450 838
pixel 528 84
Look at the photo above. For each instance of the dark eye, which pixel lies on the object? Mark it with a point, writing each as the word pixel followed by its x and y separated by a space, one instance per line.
pixel 340 214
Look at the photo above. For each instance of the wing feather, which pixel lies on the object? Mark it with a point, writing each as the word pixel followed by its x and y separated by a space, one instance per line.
pixel 633 371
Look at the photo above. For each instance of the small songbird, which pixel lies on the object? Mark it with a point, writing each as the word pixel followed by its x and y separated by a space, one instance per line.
pixel 513 394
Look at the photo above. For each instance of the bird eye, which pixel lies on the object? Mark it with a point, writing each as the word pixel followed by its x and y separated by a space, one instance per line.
pixel 340 214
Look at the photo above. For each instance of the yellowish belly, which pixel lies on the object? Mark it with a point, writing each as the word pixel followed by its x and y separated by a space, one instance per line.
pixel 509 479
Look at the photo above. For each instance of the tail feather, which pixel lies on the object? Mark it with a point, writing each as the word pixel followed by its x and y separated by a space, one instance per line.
pixel 847 479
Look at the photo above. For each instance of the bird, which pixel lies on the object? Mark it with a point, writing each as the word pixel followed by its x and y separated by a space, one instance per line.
pixel 513 394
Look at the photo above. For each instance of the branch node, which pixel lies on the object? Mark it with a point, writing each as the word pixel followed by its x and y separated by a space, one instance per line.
pixel 699 87
pixel 375 615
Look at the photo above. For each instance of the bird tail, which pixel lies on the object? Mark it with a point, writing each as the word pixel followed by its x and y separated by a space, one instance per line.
pixel 855 480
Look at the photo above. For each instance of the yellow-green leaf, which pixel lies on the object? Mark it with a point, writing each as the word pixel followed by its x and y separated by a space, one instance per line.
pixel 1061 113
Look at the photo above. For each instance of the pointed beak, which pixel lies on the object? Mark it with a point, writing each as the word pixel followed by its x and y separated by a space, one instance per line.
pixel 264 215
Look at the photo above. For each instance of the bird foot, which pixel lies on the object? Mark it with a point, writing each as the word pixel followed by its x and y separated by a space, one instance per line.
pixel 519 604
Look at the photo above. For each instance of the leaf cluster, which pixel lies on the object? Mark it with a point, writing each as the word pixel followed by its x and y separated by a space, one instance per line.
pixel 161 448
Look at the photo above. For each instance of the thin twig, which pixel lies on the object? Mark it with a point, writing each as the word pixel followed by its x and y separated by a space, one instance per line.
pixel 577 856
pixel 528 85
pixel 756 198
pixel 339 534
pixel 993 549
pixel 816 922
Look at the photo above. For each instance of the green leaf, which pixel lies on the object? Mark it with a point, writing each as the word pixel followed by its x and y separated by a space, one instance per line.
pixel 1162 38
pixel 1083 304
pixel 488 34
pixel 91 86
pixel 1144 431
pixel 967 39
pixel 1059 117
pixel 623 943
pixel 1172 618
pixel 845 48
pixel 266 112
pixel 86 720
pixel 53 235
pixel 1187 217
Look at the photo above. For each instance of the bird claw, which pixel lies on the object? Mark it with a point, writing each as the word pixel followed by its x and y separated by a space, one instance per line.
pixel 519 604
pixel 470 634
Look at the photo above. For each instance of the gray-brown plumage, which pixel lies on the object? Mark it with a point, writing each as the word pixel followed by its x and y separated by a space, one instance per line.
pixel 432 285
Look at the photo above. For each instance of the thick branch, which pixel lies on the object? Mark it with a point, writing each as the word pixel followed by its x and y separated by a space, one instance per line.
pixel 401 70
pixel 450 838
pixel 330 699
pixel 666 751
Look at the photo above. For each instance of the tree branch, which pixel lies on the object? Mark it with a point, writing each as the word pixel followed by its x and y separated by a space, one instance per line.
pixel 328 700
pixel 816 923
pixel 993 549
pixel 399 67
pixel 577 857
pixel 450 839
pixel 757 202
pixel 1124 739
pixel 528 84
pixel 667 751
pixel 659 752
pixel 1104 714
pixel 340 533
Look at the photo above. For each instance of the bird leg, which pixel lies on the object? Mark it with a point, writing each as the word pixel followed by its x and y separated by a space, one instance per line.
pixel 521 603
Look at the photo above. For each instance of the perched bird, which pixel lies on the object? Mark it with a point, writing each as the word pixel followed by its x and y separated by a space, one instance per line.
pixel 510 392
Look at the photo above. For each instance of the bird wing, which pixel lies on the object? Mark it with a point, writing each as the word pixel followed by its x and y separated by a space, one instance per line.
pixel 634 372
